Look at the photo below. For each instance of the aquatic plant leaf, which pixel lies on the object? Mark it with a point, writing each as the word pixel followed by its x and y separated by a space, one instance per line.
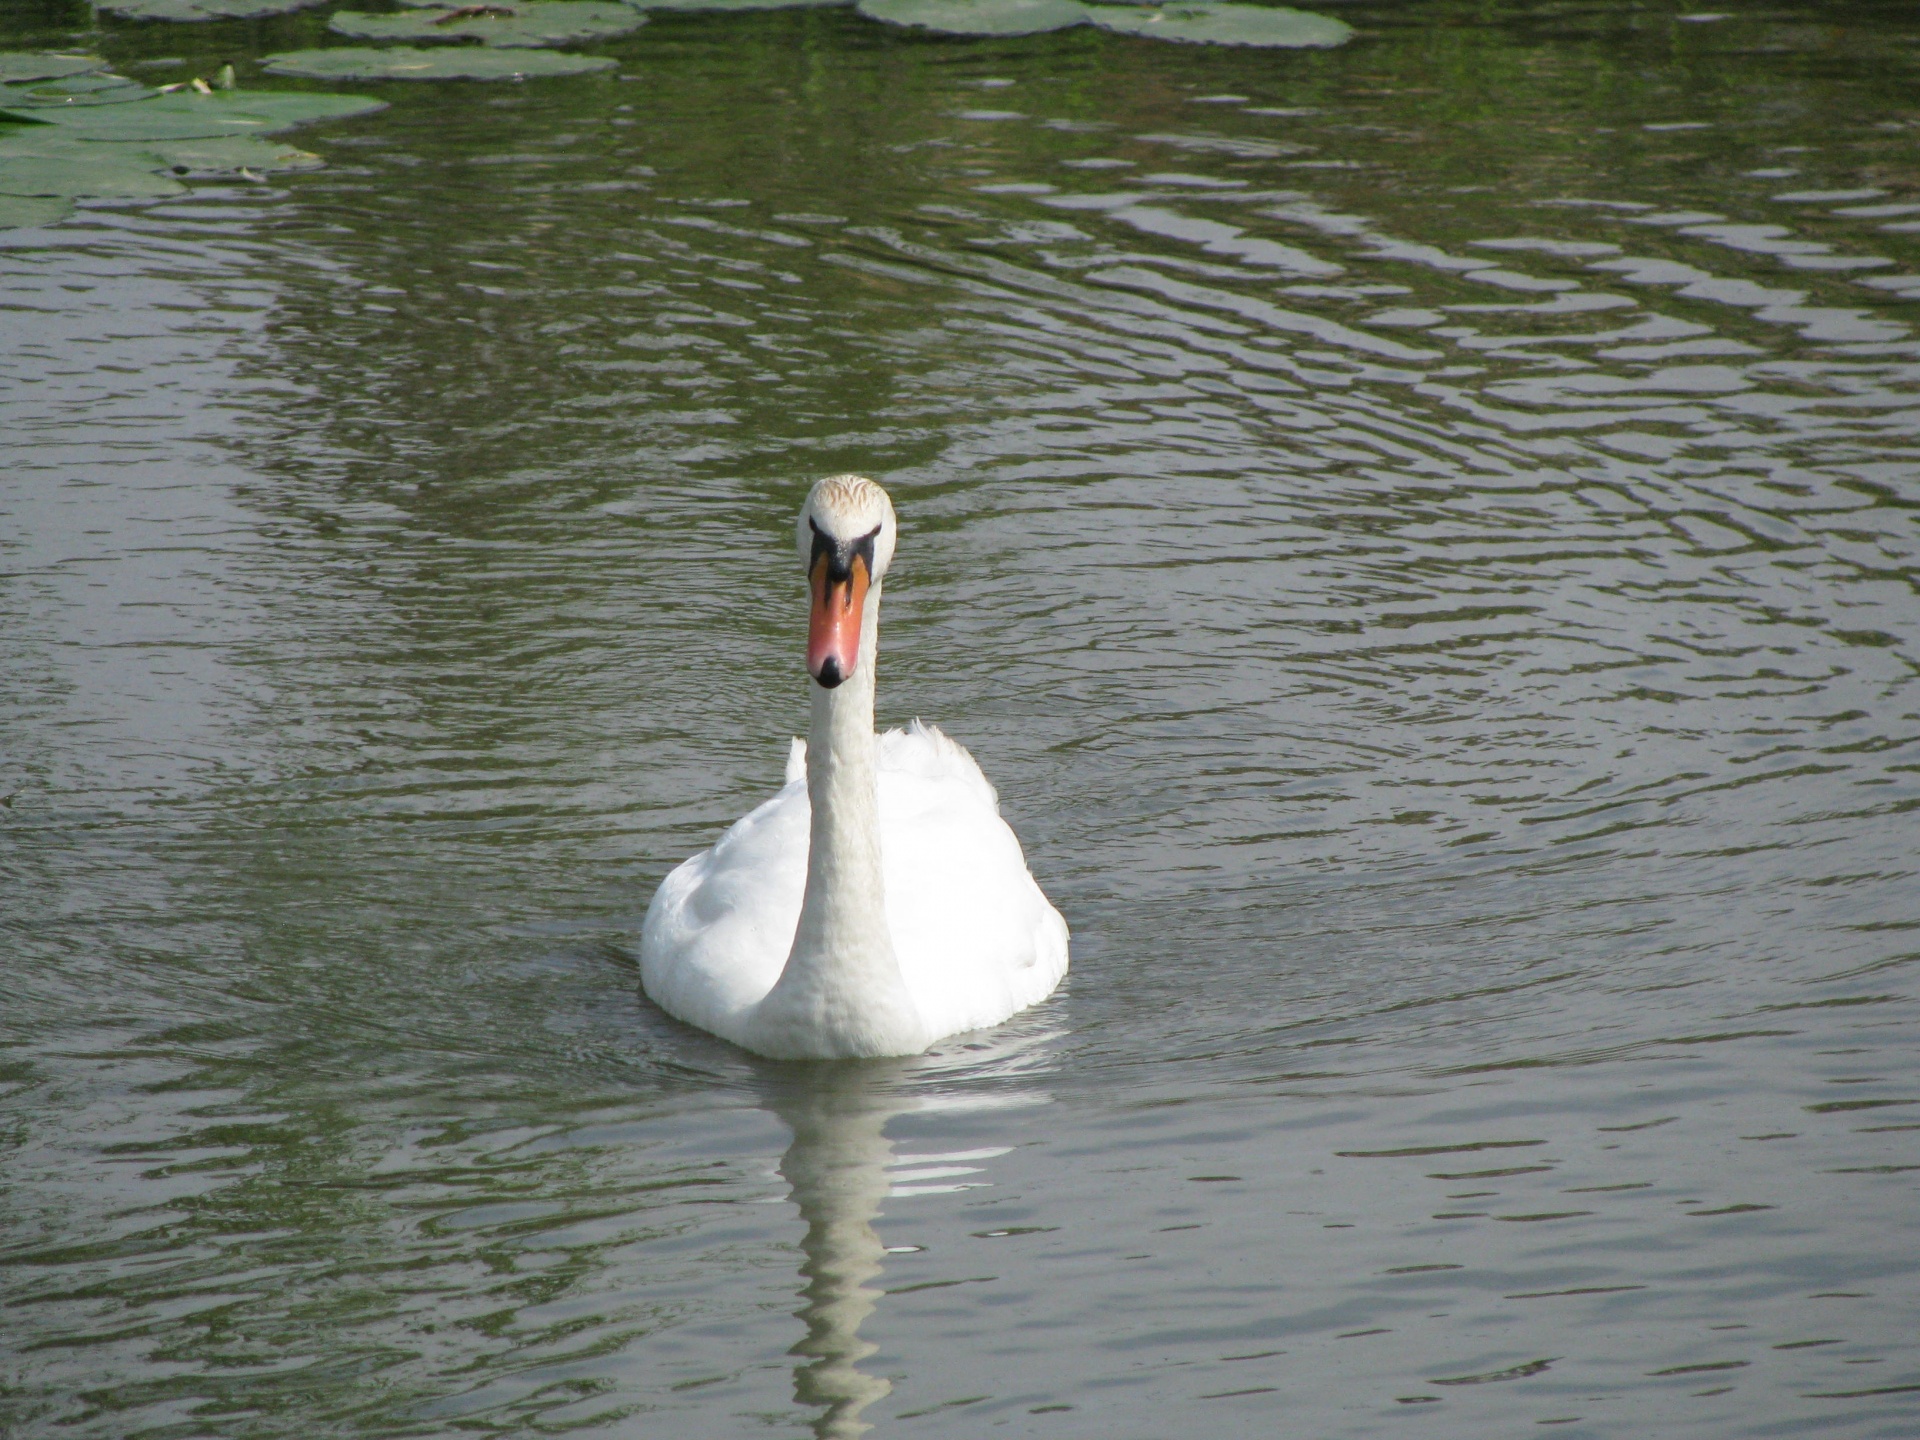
pixel 134 122
pixel 17 66
pixel 189 115
pixel 700 5
pixel 21 212
pixel 104 173
pixel 230 155
pixel 978 17
pixel 76 90
pixel 86 84
pixel 121 151
pixel 1224 24
pixel 40 140
pixel 274 110
pixel 442 62
pixel 190 10
pixel 504 22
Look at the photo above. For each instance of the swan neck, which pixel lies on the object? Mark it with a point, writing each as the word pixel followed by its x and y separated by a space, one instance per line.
pixel 845 898
pixel 842 782
pixel 841 993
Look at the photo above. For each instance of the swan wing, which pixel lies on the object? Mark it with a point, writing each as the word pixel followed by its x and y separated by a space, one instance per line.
pixel 975 937
pixel 720 926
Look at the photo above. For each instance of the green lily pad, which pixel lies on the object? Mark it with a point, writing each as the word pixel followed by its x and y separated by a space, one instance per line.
pixel 145 121
pixel 21 212
pixel 133 151
pixel 17 67
pixel 75 90
pixel 443 62
pixel 102 173
pixel 84 84
pixel 189 115
pixel 39 140
pixel 978 17
pixel 506 22
pixel 700 5
pixel 230 155
pixel 203 9
pixel 1224 24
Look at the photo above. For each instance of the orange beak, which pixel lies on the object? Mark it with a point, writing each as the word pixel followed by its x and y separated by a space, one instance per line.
pixel 833 637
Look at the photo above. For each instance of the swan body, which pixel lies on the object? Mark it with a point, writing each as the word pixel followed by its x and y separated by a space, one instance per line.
pixel 975 939
pixel 878 902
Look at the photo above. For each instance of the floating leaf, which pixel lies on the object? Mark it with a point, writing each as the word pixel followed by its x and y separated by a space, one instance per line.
pixel 20 212
pixel 75 90
pixel 513 23
pixel 1224 24
pixel 203 9
pixel 48 140
pixel 104 173
pixel 17 67
pixel 978 17
pixel 144 121
pixel 700 5
pixel 134 150
pixel 230 155
pixel 189 115
pixel 443 62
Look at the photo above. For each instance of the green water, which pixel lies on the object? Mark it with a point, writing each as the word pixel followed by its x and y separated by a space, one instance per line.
pixel 1422 535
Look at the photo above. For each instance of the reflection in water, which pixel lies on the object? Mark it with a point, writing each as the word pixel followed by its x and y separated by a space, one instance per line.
pixel 837 1167
pixel 840 1166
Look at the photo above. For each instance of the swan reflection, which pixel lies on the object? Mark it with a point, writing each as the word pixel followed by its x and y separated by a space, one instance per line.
pixel 840 1167
pixel 836 1166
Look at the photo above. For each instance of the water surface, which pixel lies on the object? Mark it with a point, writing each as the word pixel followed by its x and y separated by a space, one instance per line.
pixel 1423 536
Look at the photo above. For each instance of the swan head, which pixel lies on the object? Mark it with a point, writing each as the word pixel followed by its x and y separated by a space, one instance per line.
pixel 845 535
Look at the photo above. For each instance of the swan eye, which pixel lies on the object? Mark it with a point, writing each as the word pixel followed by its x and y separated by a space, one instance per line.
pixel 839 554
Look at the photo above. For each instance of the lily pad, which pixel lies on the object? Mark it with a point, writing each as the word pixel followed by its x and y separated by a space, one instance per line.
pixel 203 9
pixel 189 115
pixel 132 122
pixel 21 212
pixel 978 17
pixel 133 151
pixel 75 90
pixel 513 23
pixel 17 67
pixel 1224 24
pixel 103 174
pixel 700 5
pixel 231 155
pixel 443 62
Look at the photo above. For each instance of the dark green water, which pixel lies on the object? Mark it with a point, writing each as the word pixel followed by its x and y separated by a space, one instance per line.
pixel 1422 535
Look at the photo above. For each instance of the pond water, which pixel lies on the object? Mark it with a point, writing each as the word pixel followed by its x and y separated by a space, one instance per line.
pixel 1423 536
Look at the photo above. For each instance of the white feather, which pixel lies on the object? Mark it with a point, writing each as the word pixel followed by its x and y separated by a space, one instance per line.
pixel 975 938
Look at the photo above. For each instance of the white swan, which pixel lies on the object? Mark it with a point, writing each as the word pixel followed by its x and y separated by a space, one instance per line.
pixel 878 902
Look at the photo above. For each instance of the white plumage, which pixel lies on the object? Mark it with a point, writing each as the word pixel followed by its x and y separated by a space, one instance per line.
pixel 975 939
